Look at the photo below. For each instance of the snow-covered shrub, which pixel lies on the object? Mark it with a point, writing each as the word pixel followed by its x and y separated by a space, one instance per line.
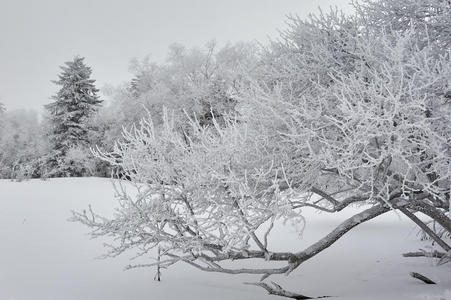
pixel 338 113
pixel 80 161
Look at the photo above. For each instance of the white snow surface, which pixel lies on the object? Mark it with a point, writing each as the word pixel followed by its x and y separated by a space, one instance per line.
pixel 44 256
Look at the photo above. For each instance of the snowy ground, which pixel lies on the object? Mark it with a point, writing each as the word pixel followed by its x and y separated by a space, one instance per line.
pixel 43 256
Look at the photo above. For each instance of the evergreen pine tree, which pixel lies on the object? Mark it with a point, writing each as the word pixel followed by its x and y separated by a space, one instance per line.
pixel 73 105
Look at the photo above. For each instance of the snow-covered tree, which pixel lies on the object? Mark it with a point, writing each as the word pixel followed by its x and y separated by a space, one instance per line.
pixel 338 114
pixel 201 81
pixel 429 20
pixel 2 112
pixel 22 145
pixel 74 104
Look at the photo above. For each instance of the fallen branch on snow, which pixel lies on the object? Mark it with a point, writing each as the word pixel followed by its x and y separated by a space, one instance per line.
pixel 423 253
pixel 277 290
pixel 422 278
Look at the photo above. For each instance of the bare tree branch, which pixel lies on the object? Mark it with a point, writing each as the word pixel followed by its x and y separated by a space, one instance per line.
pixel 422 278
pixel 277 290
pixel 425 228
pixel 432 212
pixel 337 233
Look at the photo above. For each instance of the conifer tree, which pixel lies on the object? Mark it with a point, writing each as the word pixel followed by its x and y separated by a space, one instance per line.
pixel 73 105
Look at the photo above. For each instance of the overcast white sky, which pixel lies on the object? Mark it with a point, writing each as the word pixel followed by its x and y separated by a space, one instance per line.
pixel 37 36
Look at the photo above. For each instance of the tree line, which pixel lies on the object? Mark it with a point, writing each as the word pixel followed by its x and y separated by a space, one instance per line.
pixel 198 81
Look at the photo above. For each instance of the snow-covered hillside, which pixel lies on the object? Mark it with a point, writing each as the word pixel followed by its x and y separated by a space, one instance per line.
pixel 43 256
